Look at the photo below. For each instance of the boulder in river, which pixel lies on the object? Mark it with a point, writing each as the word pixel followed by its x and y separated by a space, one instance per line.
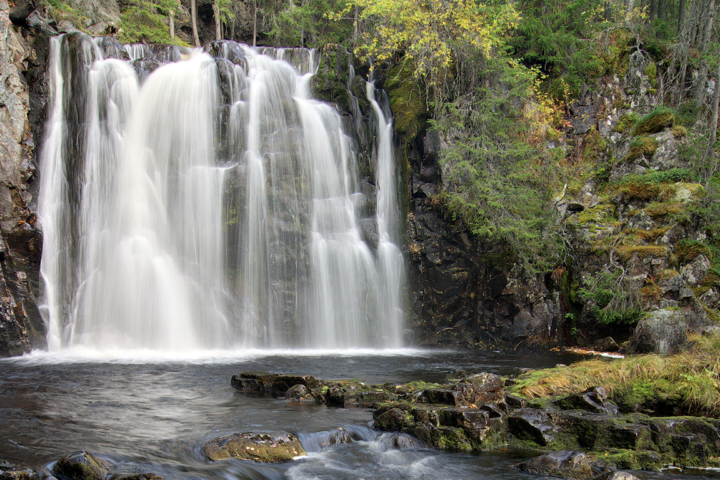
pixel 8 471
pixel 81 465
pixel 565 464
pixel 259 447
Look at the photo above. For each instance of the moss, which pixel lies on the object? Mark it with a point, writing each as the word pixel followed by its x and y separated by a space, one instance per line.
pixel 687 250
pixel 630 459
pixel 406 100
pixel 679 131
pixel 642 145
pixel 655 121
pixel 658 210
pixel 668 273
pixel 330 81
pixel 642 251
pixel 651 292
pixel 651 72
pixel 593 146
pixel 626 121
pixel 646 235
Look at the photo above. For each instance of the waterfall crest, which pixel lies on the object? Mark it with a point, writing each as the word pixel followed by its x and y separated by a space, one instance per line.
pixel 191 201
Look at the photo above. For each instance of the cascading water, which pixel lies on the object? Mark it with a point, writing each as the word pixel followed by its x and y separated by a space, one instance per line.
pixel 211 203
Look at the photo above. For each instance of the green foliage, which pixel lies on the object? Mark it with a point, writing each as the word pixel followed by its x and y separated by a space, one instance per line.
pixel 556 36
pixel 655 121
pixel 306 24
pixel 492 177
pixel 62 10
pixel 147 21
pixel 610 301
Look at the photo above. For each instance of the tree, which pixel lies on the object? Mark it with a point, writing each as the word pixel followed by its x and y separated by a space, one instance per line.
pixel 431 33
pixel 193 14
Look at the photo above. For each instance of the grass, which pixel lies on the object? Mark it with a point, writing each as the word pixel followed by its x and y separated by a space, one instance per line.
pixel 691 378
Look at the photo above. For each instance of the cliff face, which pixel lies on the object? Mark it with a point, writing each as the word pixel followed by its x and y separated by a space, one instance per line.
pixel 634 220
pixel 21 326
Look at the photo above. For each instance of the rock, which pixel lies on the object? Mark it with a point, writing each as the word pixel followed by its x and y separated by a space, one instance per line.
pixel 663 331
pixel 8 471
pixel 259 447
pixel 140 476
pixel 564 464
pixel 271 383
pixel 351 394
pixel 695 271
pixel 618 475
pixel 606 344
pixel 591 400
pixel 299 393
pixel 530 424
pixel 81 466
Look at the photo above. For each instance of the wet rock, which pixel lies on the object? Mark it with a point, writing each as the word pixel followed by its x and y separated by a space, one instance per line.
pixel 513 401
pixel 259 447
pixel 592 400
pixel 534 425
pixel 403 441
pixel 271 383
pixel 299 393
pixel 449 428
pixel 663 331
pixel 81 465
pixel 8 471
pixel 619 475
pixel 339 437
pixel 564 464
pixel 351 394
pixel 140 476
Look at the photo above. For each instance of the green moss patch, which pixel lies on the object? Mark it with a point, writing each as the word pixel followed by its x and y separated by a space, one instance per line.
pixel 643 145
pixel 655 121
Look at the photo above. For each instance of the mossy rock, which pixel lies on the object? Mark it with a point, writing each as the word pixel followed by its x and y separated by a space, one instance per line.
pixel 258 447
pixel 330 81
pixel 407 100
pixel 81 465
pixel 630 459
pixel 687 250
pixel 651 72
pixel 626 122
pixel 642 145
pixel 655 121
pixel 679 131
pixel 593 146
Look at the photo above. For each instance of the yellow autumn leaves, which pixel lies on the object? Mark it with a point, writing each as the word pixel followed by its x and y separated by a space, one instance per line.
pixel 430 32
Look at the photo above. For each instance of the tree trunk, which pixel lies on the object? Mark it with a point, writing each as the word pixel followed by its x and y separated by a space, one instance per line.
pixel 714 112
pixel 218 25
pixel 704 37
pixel 172 24
pixel 356 20
pixel 193 15
pixel 254 23
pixel 681 16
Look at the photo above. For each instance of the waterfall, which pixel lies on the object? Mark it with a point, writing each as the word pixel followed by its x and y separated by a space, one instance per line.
pixel 191 201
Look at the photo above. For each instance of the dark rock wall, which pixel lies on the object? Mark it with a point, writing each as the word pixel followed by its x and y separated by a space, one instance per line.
pixel 21 325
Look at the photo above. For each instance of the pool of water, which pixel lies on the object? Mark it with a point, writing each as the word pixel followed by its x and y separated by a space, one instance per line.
pixel 149 413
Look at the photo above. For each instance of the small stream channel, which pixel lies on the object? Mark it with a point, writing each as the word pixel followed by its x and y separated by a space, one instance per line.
pixel 145 413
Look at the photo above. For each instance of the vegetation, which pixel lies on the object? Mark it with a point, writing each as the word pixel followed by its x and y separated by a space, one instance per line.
pixel 690 379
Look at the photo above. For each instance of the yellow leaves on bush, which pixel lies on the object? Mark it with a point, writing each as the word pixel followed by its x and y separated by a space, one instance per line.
pixel 427 31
